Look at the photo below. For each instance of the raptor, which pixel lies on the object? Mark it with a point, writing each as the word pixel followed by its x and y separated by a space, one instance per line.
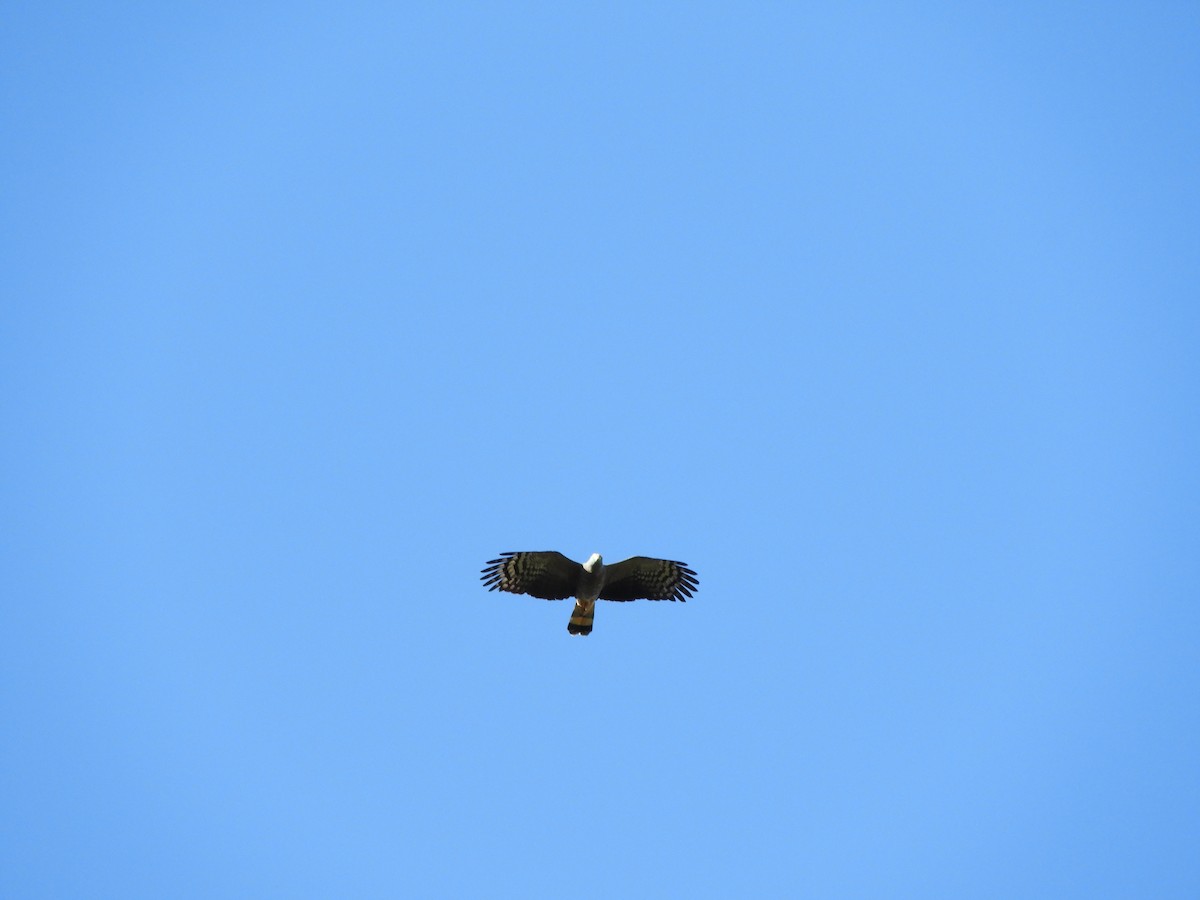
pixel 551 576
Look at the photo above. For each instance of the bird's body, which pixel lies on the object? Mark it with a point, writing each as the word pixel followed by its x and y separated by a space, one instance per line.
pixel 591 581
pixel 551 576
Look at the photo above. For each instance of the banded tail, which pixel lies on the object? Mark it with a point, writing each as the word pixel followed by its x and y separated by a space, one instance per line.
pixel 581 618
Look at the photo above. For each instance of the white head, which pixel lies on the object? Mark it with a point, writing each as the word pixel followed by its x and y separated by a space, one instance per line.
pixel 592 561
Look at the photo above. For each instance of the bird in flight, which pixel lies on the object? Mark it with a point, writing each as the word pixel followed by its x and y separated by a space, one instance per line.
pixel 551 576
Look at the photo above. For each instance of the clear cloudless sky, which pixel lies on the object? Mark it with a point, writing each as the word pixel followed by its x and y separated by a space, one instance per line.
pixel 883 317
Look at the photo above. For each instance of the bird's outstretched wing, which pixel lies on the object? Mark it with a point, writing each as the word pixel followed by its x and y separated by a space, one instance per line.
pixel 644 578
pixel 541 573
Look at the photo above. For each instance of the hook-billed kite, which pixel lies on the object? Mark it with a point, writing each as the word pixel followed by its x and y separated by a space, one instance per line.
pixel 551 576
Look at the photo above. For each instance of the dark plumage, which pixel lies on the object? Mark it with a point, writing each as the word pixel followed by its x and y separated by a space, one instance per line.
pixel 551 576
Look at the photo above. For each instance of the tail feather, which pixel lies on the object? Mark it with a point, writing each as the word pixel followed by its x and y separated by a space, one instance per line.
pixel 581 618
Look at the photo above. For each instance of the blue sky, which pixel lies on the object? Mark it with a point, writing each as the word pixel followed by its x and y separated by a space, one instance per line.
pixel 883 319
